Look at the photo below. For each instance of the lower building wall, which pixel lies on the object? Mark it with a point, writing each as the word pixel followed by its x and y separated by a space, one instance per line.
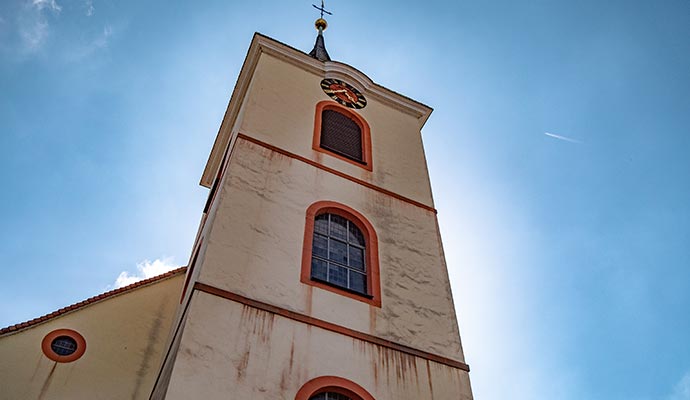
pixel 125 336
pixel 230 350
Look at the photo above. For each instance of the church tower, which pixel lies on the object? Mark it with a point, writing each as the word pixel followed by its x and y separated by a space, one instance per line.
pixel 318 271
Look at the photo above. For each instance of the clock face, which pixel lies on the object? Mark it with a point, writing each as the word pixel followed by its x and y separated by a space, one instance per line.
pixel 343 93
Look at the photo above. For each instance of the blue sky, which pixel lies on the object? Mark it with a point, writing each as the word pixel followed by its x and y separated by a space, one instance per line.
pixel 569 260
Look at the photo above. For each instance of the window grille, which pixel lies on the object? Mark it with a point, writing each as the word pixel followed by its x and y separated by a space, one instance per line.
pixel 329 396
pixel 64 345
pixel 339 253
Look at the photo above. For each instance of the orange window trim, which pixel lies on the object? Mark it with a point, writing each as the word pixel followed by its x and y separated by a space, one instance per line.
pixel 363 125
pixel 372 251
pixel 48 340
pixel 333 384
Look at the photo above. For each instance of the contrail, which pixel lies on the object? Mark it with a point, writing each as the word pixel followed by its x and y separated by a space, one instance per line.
pixel 567 139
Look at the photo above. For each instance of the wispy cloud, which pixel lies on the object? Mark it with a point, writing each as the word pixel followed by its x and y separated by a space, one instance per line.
pixel 682 389
pixel 49 4
pixel 145 269
pixel 79 52
pixel 102 40
pixel 33 24
pixel 34 33
pixel 567 139
pixel 90 9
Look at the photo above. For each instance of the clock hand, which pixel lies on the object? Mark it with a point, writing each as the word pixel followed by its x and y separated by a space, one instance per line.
pixel 347 93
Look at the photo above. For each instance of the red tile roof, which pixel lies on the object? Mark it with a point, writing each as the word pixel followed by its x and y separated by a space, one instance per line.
pixel 89 301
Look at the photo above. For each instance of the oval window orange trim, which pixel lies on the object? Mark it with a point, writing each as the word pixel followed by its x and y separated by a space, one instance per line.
pixel 333 384
pixel 48 340
pixel 363 125
pixel 372 250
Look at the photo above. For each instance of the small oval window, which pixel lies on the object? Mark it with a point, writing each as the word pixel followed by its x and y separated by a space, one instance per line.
pixel 63 345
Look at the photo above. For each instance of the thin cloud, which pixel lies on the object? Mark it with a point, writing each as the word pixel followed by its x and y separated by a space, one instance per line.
pixel 682 389
pixel 145 269
pixel 102 40
pixel 33 24
pixel 90 9
pixel 49 4
pixel 80 52
pixel 34 33
pixel 567 139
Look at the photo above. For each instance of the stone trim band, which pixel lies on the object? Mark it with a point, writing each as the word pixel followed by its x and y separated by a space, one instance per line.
pixel 329 326
pixel 335 172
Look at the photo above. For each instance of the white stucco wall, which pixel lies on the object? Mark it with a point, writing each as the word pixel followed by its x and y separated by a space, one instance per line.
pixel 254 248
pixel 231 351
pixel 280 107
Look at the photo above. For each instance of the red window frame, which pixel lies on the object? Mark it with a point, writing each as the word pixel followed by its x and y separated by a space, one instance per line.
pixel 373 296
pixel 363 125
pixel 48 341
pixel 333 384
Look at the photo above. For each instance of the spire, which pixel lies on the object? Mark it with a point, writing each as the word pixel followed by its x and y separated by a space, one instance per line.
pixel 319 51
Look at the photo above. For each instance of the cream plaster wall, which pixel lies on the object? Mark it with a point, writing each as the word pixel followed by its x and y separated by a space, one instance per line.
pixel 231 351
pixel 280 108
pixel 124 341
pixel 254 248
pixel 252 245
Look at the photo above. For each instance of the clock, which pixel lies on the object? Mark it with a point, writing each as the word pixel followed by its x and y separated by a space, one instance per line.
pixel 343 93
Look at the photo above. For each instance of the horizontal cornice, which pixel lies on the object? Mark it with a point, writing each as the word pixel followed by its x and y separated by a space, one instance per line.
pixel 333 171
pixel 329 326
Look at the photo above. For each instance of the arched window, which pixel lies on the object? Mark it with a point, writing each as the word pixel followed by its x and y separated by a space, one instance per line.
pixel 341 252
pixel 342 133
pixel 332 388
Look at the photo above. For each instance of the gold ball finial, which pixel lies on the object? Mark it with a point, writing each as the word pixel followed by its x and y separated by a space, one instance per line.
pixel 321 24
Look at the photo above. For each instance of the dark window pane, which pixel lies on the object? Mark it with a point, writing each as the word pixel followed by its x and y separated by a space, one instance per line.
pixel 319 269
pixel 355 235
pixel 337 275
pixel 338 251
pixel 329 396
pixel 64 345
pixel 341 135
pixel 320 246
pixel 336 396
pixel 338 227
pixel 321 224
pixel 357 258
pixel 338 254
pixel 358 282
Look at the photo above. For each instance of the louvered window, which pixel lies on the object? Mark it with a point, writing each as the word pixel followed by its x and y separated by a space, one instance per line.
pixel 341 135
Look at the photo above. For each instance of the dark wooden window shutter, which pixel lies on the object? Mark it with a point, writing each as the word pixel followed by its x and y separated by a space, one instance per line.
pixel 341 135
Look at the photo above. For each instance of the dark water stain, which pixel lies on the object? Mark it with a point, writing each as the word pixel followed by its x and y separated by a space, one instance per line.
pixel 242 366
pixel 428 374
pixel 46 384
pixel 149 351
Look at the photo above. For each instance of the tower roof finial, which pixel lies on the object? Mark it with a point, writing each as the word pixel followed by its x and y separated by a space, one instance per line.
pixel 319 51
